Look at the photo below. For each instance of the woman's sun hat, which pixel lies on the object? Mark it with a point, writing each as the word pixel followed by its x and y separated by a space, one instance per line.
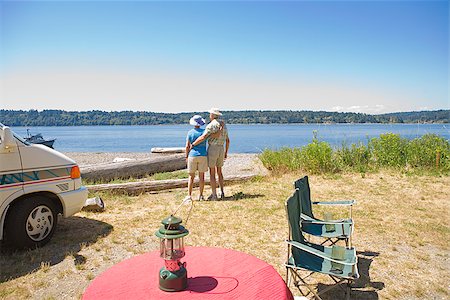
pixel 197 120
pixel 215 111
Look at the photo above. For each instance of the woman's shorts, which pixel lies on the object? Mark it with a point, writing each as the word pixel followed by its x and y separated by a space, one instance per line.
pixel 197 163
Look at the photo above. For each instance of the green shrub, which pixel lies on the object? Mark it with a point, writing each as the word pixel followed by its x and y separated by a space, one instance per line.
pixel 429 151
pixel 353 158
pixel 317 157
pixel 389 150
pixel 283 159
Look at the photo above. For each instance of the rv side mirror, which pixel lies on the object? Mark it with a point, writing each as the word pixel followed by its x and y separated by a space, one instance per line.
pixel 8 141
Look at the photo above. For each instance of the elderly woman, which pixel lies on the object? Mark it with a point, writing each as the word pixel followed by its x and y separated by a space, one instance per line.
pixel 196 156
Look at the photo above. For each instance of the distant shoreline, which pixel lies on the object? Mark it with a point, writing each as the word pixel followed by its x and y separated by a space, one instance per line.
pixel 247 124
pixel 124 118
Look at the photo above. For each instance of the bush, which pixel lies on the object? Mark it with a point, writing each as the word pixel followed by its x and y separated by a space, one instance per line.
pixel 354 158
pixel 283 159
pixel 389 150
pixel 429 151
pixel 316 157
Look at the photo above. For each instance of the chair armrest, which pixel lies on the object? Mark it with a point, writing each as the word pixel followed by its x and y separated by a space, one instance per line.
pixel 329 222
pixel 320 253
pixel 341 202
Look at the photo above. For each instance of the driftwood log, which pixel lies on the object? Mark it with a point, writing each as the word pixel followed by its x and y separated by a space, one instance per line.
pixel 139 187
pixel 168 150
pixel 135 168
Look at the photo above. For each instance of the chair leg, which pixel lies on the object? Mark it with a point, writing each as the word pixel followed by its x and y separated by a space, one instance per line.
pixel 311 289
pixel 349 290
pixel 288 278
pixel 298 282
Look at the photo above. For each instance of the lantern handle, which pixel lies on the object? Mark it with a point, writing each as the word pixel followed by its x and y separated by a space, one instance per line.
pixel 184 202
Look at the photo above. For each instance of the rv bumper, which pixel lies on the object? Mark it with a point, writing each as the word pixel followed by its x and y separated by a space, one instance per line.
pixel 73 201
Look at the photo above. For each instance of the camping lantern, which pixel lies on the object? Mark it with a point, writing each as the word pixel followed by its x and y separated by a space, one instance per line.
pixel 173 275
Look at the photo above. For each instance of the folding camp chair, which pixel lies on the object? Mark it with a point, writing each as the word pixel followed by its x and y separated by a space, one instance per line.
pixel 331 230
pixel 338 262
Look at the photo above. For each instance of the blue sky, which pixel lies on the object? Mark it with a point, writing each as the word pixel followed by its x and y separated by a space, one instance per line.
pixel 361 56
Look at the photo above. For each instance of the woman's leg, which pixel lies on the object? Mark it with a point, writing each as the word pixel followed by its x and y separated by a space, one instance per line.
pixel 191 183
pixel 201 176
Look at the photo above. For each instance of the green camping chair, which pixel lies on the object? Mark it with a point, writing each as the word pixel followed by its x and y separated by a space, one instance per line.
pixel 338 262
pixel 331 230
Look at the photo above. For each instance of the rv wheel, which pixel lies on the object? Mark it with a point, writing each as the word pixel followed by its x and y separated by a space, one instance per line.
pixel 30 223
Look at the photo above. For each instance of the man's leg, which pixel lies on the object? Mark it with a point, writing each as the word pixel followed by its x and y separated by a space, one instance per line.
pixel 220 175
pixel 212 178
pixel 219 165
pixel 212 162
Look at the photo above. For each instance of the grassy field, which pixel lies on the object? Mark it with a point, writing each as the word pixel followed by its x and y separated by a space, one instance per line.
pixel 402 233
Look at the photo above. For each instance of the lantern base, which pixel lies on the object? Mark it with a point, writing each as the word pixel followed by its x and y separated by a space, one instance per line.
pixel 173 281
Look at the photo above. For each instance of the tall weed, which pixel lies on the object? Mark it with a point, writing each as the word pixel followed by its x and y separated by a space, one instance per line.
pixel 281 160
pixel 389 150
pixel 355 158
pixel 317 157
pixel 429 153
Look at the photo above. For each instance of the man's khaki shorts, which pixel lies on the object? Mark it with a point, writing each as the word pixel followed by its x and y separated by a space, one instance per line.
pixel 197 163
pixel 215 156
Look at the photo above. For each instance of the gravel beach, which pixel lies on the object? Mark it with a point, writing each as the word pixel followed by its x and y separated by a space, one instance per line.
pixel 235 164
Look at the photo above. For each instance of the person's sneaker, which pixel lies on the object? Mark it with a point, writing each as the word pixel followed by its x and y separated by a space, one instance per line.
pixel 187 199
pixel 212 197
pixel 201 198
pixel 222 196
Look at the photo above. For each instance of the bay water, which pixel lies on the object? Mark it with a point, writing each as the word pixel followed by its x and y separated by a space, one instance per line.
pixel 252 138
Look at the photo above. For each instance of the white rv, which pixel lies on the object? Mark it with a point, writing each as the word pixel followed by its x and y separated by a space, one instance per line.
pixel 36 184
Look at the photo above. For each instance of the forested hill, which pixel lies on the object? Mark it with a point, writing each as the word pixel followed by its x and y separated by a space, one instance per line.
pixel 95 117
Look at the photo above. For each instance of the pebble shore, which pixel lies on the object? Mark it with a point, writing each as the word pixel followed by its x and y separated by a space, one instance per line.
pixel 236 163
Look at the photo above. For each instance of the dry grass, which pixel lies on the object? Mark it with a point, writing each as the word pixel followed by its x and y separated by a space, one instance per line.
pixel 402 235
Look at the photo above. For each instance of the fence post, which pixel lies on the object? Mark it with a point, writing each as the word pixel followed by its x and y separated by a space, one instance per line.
pixel 438 158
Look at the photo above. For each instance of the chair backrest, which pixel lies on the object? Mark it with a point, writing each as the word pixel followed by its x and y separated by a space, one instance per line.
pixel 306 259
pixel 302 185
pixel 293 211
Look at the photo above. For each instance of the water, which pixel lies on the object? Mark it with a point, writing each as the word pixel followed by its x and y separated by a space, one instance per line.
pixel 244 138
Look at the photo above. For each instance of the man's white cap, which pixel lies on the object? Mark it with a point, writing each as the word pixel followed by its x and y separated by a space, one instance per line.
pixel 215 111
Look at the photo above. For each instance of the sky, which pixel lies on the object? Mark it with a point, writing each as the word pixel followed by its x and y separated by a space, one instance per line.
pixel 184 56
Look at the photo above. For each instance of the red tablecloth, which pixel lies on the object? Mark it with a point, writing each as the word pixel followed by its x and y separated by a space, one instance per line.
pixel 213 273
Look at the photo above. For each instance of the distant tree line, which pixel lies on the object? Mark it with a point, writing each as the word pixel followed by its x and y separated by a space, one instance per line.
pixel 97 117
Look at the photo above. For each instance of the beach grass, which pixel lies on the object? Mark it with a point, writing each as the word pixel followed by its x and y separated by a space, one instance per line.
pixel 401 234
pixel 428 154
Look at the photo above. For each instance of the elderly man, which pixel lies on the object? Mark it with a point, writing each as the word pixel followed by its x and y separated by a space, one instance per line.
pixel 217 134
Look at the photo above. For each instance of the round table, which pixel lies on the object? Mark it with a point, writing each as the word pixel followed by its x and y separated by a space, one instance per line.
pixel 213 273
